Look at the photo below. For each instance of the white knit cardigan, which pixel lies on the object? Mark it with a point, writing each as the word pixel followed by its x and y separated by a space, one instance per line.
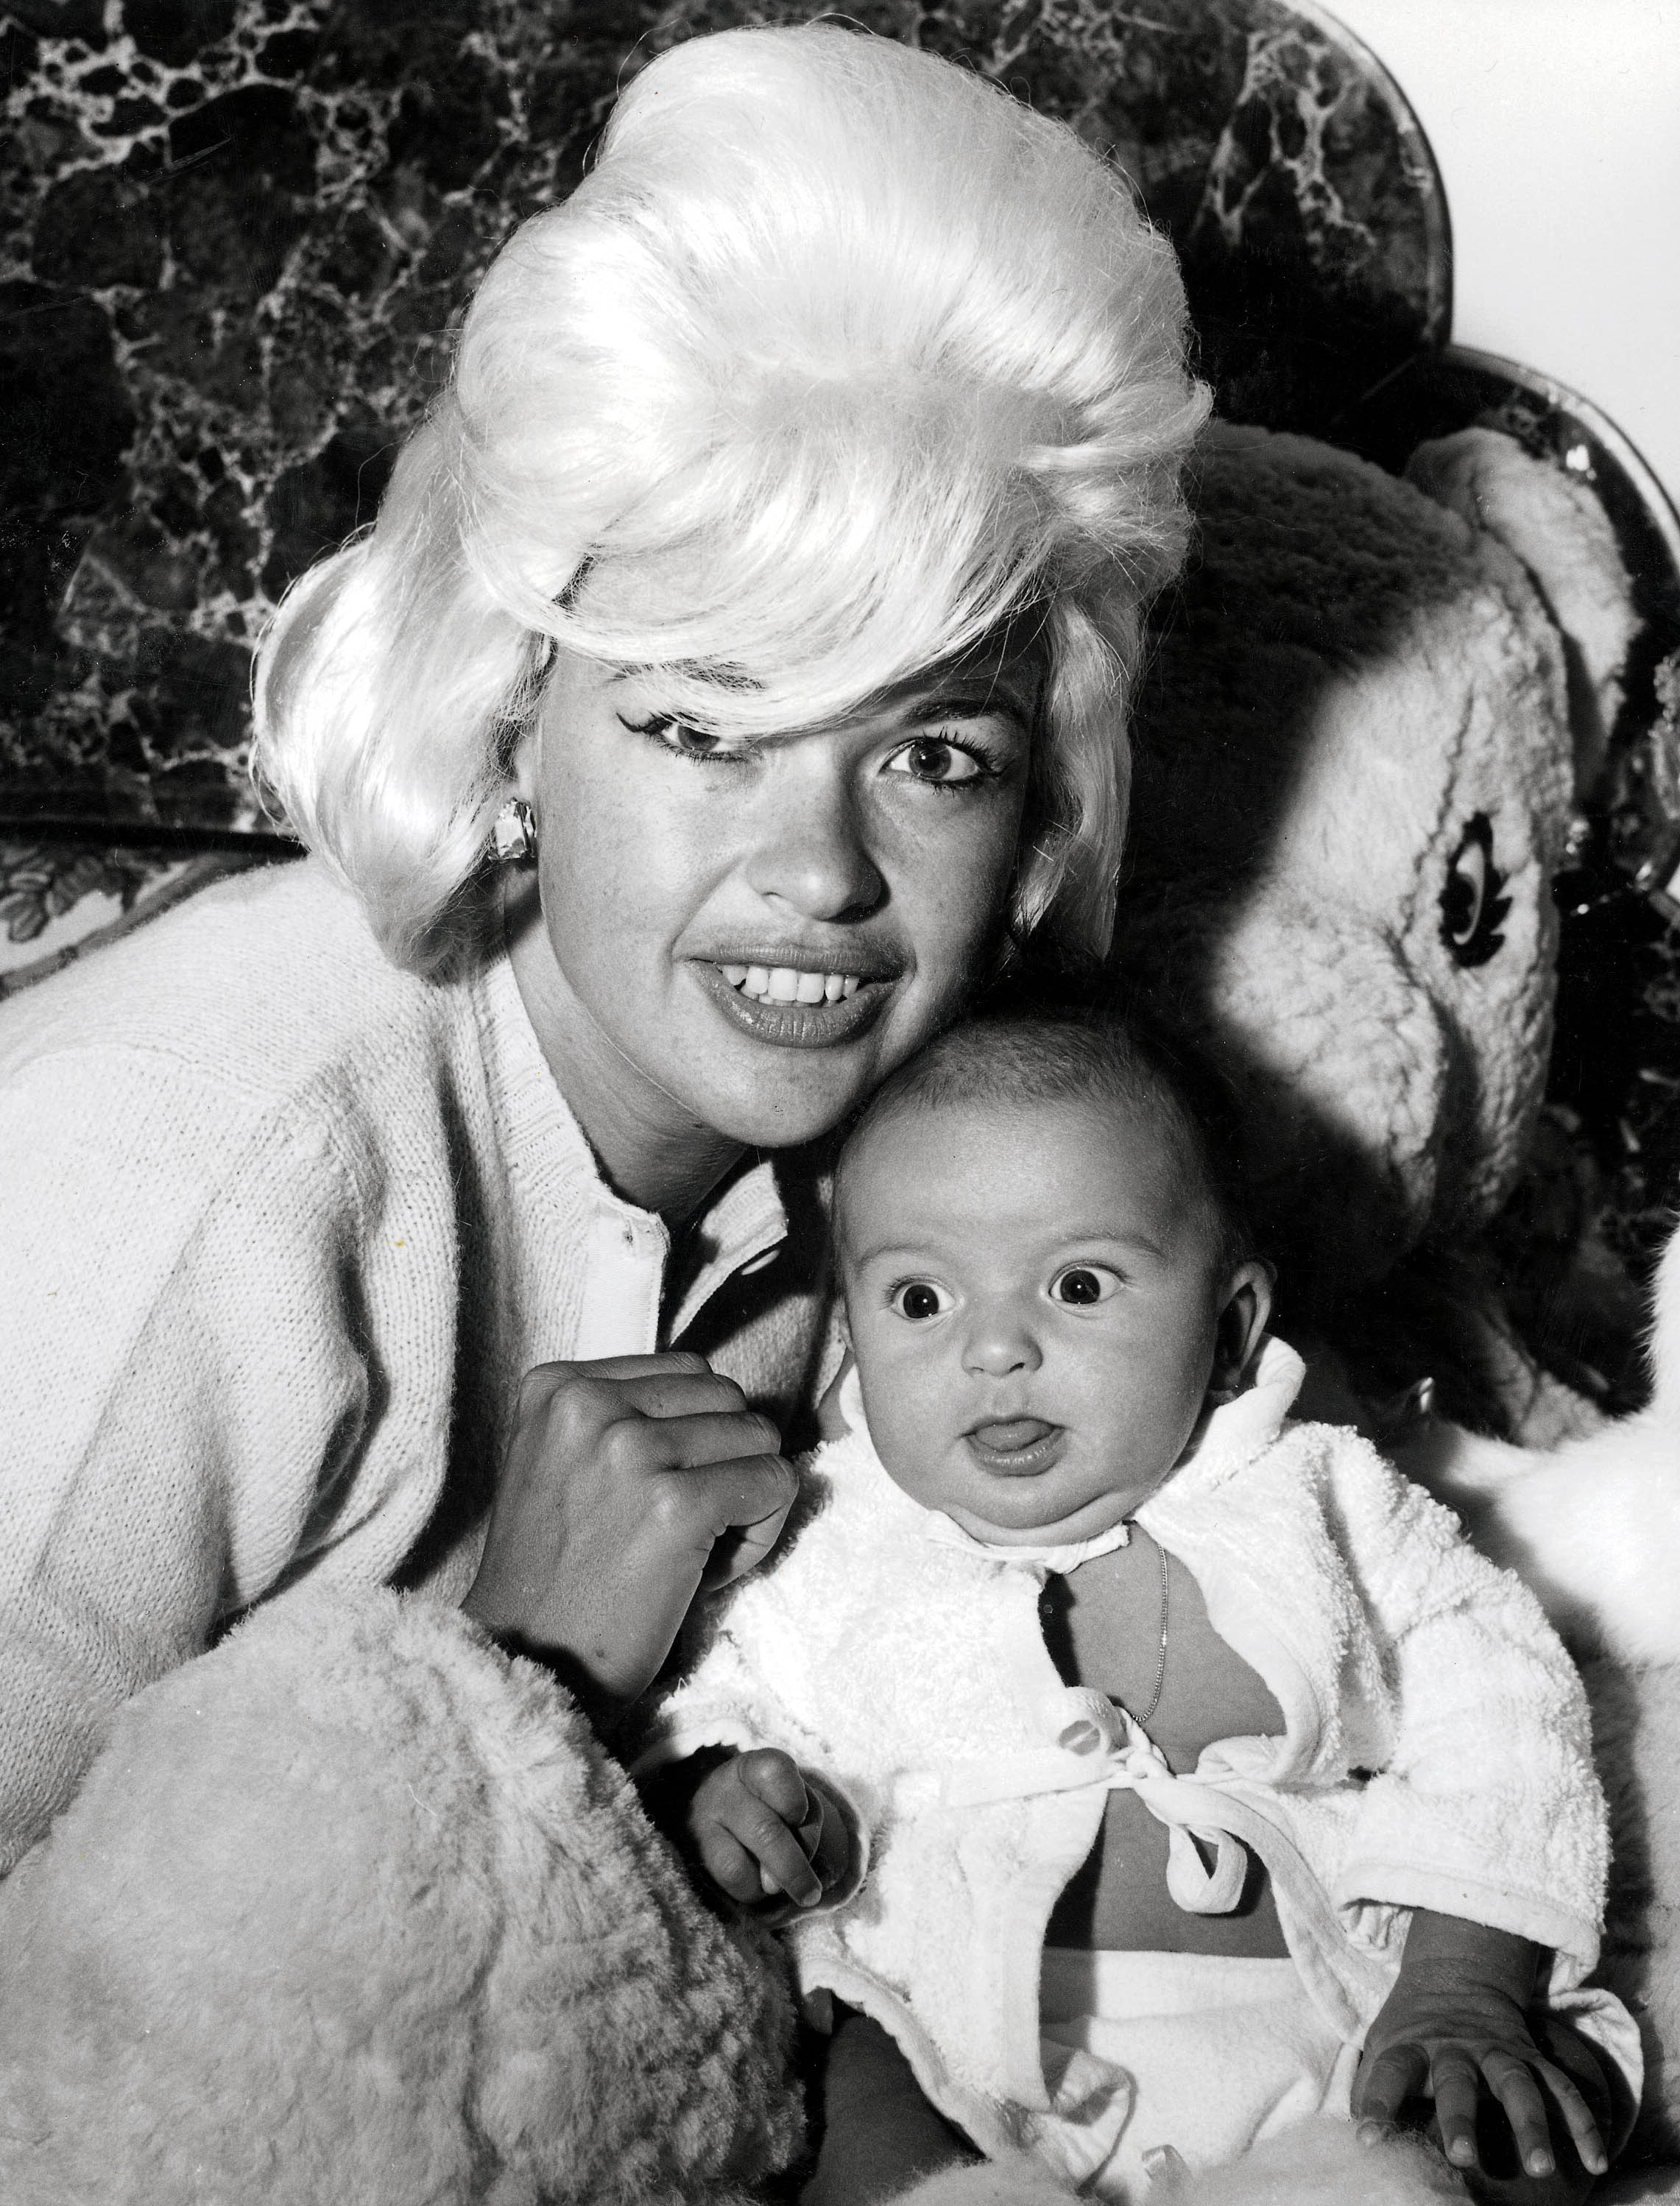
pixel 1435 1752
pixel 280 1229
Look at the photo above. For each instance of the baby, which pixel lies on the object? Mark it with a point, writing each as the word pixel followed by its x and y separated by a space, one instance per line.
pixel 1168 1772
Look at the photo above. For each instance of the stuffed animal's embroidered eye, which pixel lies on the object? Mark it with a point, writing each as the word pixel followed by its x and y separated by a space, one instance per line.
pixel 918 1300
pixel 1472 907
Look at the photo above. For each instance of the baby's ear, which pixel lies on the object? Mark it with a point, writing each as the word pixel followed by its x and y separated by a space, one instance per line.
pixel 1244 1309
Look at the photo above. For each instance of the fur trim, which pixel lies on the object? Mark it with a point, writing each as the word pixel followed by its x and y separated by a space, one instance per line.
pixel 354 1908
pixel 1321 2163
pixel 1012 2179
pixel 1593 1526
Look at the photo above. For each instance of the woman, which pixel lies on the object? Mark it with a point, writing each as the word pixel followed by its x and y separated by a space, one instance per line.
pixel 766 586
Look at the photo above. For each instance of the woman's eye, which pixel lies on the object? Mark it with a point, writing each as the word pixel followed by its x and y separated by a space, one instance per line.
pixel 930 758
pixel 673 735
pixel 1082 1286
pixel 918 1300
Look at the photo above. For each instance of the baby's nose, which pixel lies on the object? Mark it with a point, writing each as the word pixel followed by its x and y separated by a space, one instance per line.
pixel 1000 1342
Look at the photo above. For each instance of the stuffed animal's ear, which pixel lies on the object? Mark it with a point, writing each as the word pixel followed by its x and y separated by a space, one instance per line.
pixel 1556 527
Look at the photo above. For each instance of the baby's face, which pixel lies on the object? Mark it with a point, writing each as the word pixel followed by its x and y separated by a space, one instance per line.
pixel 1034 1303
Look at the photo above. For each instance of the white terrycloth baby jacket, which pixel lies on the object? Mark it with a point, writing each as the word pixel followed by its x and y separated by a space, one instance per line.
pixel 1435 1751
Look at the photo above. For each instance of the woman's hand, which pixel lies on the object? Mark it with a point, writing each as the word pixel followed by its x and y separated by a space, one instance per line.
pixel 628 1484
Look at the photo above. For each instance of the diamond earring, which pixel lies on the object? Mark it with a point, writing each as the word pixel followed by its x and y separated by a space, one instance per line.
pixel 514 835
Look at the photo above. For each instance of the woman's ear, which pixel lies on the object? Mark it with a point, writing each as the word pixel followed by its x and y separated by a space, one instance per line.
pixel 1245 1306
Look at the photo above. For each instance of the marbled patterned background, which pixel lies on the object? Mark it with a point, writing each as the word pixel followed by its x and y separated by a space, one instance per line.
pixel 237 234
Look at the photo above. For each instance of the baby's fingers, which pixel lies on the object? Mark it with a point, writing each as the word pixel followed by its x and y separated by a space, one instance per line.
pixel 774 1777
pixel 765 1832
pixel 1384 2085
pixel 731 1867
pixel 1455 2084
pixel 1578 2118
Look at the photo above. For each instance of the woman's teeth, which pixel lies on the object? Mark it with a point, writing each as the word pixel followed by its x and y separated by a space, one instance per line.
pixel 786 984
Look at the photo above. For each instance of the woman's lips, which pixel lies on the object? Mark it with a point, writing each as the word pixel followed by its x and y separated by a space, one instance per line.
pixel 838 1014
pixel 1016 1446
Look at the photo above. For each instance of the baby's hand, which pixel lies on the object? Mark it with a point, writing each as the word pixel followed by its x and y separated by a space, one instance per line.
pixel 1454 2029
pixel 763 1828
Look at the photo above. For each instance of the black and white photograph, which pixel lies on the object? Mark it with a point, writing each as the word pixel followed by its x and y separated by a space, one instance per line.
pixel 839 1102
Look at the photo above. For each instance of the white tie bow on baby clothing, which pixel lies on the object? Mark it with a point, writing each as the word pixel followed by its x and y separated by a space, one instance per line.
pixel 1097 1743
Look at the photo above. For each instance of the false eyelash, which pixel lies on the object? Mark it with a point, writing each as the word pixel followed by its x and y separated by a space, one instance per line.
pixel 657 724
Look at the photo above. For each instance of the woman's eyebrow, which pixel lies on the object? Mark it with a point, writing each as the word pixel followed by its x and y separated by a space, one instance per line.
pixel 971 700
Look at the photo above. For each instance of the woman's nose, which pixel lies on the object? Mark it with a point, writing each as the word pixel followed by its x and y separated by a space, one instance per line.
pixel 810 855
pixel 1000 1342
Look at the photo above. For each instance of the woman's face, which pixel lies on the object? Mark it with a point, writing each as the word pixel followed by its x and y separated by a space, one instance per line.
pixel 748 935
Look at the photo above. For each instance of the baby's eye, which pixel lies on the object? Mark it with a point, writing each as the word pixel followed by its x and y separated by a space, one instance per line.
pixel 931 757
pixel 1083 1286
pixel 673 735
pixel 918 1300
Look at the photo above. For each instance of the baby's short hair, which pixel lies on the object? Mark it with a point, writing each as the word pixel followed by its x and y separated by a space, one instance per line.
pixel 839 359
pixel 1014 1060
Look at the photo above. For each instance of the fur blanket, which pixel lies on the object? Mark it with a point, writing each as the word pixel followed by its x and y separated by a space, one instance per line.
pixel 355 1909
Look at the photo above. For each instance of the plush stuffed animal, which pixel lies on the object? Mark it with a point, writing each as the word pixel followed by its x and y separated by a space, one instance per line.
pixel 1353 782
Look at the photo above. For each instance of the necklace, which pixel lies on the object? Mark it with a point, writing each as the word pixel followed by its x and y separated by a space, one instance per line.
pixel 1161 1665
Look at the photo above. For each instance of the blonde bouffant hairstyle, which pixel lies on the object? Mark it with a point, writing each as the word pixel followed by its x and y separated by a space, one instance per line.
pixel 839 359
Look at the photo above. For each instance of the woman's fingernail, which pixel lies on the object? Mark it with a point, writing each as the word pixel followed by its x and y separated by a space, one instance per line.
pixel 1460 2152
pixel 1540 2162
pixel 1370 2133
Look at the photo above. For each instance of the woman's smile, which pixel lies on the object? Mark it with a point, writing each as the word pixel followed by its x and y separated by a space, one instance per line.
pixel 794 1009
pixel 797 998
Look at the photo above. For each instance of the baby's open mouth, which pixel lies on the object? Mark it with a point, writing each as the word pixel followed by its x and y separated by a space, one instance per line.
pixel 1013 1432
pixel 787 984
pixel 1016 1445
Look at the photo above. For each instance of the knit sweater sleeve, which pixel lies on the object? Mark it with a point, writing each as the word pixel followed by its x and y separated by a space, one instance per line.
pixel 185 1391
pixel 1488 1806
